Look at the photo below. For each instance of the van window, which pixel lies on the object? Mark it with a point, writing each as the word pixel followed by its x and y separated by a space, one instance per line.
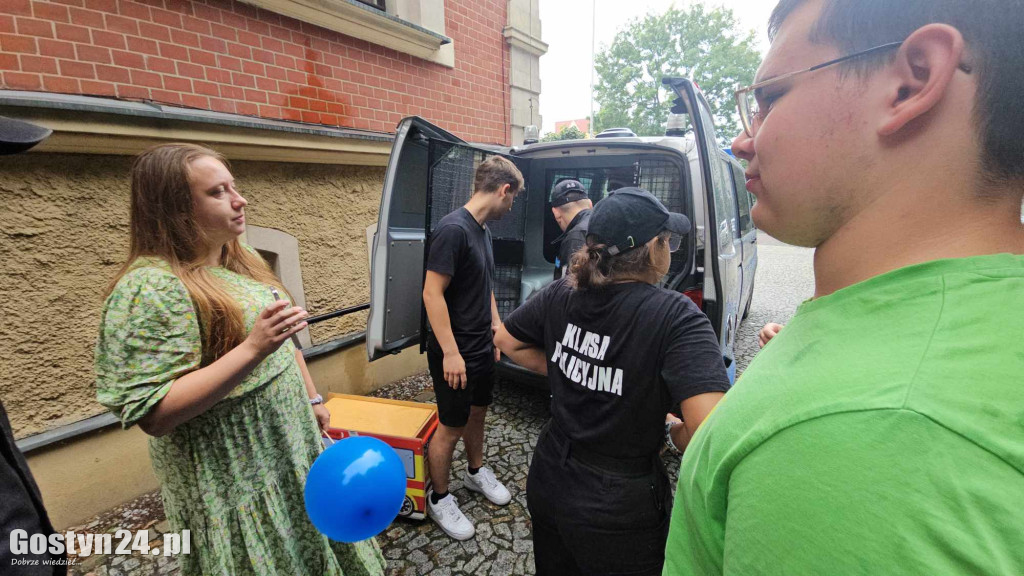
pixel 658 175
pixel 725 209
pixel 742 198
pixel 592 180
pixel 721 184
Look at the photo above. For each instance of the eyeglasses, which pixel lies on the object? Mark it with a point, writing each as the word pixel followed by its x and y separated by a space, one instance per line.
pixel 754 103
pixel 674 241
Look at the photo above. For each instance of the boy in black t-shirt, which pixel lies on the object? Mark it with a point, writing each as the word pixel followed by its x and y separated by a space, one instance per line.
pixel 459 299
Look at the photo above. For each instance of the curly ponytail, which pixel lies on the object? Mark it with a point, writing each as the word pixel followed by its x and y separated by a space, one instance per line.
pixel 593 268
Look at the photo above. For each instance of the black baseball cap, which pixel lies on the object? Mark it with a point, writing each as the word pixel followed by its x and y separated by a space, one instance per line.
pixel 566 191
pixel 18 136
pixel 630 217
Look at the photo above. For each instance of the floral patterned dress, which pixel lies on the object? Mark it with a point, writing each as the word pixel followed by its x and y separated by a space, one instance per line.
pixel 233 475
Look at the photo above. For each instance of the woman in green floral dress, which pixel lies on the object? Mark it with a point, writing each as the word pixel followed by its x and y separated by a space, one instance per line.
pixel 194 348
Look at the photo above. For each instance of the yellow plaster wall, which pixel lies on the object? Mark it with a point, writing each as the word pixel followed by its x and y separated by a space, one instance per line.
pixel 348 372
pixel 83 477
pixel 64 233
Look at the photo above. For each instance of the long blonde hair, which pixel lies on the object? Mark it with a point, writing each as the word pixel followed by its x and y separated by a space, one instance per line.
pixel 163 225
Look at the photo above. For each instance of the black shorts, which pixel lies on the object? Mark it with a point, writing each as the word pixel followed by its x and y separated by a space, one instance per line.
pixel 453 405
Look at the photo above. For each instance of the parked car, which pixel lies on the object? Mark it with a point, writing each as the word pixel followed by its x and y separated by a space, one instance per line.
pixel 430 173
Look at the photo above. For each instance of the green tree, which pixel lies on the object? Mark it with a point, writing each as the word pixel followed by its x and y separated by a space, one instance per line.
pixel 567 133
pixel 704 45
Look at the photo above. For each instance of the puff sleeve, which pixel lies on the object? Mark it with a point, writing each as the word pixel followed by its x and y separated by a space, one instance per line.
pixel 149 336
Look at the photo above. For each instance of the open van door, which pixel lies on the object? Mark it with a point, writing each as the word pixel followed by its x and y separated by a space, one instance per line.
pixel 723 309
pixel 429 174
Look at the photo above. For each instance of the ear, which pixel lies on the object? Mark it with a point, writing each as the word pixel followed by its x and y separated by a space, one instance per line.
pixel 924 69
pixel 503 191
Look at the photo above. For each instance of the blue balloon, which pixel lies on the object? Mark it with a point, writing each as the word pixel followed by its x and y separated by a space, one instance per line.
pixel 355 489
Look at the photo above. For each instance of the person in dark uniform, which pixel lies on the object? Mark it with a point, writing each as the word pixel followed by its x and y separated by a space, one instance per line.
pixel 619 353
pixel 21 505
pixel 571 207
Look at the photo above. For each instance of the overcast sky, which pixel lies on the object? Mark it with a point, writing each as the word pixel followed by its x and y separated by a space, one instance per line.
pixel 566 27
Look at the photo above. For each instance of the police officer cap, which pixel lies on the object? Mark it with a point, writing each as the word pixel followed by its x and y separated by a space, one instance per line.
pixel 567 191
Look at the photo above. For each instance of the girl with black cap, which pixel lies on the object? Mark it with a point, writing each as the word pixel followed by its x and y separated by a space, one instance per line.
pixel 618 352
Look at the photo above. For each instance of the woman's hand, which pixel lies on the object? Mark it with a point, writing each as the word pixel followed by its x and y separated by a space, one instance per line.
pixel 275 325
pixel 672 419
pixel 768 332
pixel 323 418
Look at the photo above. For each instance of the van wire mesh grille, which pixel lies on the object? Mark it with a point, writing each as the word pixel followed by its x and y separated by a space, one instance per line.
pixel 661 177
pixel 507 287
pixel 450 186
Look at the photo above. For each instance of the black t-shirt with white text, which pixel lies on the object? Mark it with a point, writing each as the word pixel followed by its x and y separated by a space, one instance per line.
pixel 618 359
pixel 461 248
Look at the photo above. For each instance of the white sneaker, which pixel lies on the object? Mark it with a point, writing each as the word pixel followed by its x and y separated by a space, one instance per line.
pixel 485 483
pixel 448 516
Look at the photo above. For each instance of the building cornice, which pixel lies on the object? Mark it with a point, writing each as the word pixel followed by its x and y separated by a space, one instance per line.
pixel 519 39
pixel 88 125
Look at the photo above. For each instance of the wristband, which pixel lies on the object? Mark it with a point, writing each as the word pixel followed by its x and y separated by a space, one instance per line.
pixel 318 399
pixel 668 438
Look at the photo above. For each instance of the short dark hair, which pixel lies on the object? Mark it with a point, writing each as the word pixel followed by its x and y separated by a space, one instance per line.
pixel 563 208
pixel 992 31
pixel 495 172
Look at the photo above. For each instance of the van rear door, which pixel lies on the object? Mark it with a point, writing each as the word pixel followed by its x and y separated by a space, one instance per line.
pixel 725 273
pixel 429 174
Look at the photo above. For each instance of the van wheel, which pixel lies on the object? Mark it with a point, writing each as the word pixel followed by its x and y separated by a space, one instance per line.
pixel 746 309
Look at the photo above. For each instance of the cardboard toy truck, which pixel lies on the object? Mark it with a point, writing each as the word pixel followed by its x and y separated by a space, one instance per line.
pixel 405 426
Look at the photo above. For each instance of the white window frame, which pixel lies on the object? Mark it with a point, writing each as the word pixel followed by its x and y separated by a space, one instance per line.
pixel 285 250
pixel 413 27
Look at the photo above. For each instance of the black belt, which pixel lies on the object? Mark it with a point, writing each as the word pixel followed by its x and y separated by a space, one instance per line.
pixel 569 449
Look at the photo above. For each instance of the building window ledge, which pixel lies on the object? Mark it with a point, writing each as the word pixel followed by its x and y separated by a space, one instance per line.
pixel 366 23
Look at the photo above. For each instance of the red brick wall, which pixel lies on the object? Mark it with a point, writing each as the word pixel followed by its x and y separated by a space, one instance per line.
pixel 230 57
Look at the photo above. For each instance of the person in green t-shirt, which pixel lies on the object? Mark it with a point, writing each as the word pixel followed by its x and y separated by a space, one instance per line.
pixel 882 431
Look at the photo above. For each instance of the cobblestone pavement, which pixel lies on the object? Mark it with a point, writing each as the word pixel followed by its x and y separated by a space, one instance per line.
pixel 503 544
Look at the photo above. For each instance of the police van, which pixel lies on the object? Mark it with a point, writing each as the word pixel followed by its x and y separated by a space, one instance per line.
pixel 430 173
